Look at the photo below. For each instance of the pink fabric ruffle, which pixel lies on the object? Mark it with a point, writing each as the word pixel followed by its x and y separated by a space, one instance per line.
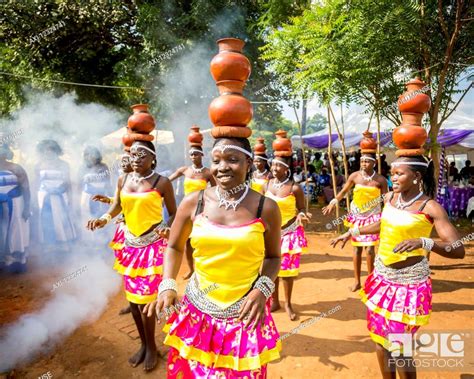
pixel 294 242
pixel 395 308
pixel 205 347
pixel 364 239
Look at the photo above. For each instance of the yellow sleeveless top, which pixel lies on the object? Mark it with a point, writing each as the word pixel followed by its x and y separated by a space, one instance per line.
pixel 193 185
pixel 364 197
pixel 227 258
pixel 287 206
pixel 398 225
pixel 142 210
pixel 257 184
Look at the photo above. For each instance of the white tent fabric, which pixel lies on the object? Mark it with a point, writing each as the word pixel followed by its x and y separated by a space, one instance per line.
pixel 162 137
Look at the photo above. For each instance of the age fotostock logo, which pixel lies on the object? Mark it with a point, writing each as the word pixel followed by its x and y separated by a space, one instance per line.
pixel 432 350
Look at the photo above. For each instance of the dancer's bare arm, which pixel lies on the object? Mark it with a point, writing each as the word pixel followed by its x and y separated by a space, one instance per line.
pixel 347 187
pixel 179 172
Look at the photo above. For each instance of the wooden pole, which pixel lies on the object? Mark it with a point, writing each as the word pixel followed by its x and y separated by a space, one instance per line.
pixel 344 156
pixel 379 158
pixel 300 130
pixel 331 164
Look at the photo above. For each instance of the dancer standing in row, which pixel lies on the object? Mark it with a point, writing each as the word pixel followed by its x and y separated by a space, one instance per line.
pixel 14 213
pixel 290 199
pixel 398 292
pixel 54 195
pixel 224 328
pixel 140 197
pixel 365 209
pixel 196 178
pixel 262 173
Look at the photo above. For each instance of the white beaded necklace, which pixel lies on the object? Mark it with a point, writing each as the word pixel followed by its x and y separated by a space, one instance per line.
pixel 197 170
pixel 367 178
pixel 260 174
pixel 277 184
pixel 224 202
pixel 401 204
pixel 137 178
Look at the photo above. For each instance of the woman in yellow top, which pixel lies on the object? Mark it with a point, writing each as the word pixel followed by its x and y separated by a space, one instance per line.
pixel 196 178
pixel 290 199
pixel 398 292
pixel 369 187
pixel 140 198
pixel 223 328
pixel 262 173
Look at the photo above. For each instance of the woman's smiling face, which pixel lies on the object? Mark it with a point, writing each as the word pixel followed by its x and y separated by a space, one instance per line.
pixel 229 167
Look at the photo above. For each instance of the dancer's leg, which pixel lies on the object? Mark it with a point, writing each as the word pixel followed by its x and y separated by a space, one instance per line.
pixel 288 288
pixel 276 300
pixel 151 353
pixel 357 261
pixel 139 356
pixel 370 258
pixel 383 356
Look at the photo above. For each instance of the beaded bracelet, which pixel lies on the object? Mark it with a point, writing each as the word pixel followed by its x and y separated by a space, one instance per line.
pixel 334 201
pixel 265 285
pixel 167 285
pixel 107 217
pixel 427 243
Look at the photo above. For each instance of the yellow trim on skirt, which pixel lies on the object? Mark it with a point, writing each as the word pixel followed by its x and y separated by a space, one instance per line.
pixel 395 316
pixel 140 299
pixel 368 243
pixel 288 273
pixel 134 272
pixel 223 361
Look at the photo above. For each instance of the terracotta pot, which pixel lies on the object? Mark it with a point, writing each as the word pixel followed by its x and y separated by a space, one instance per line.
pixel 368 143
pixel 231 108
pixel 194 137
pixel 411 118
pixel 282 145
pixel 141 121
pixel 231 132
pixel 414 100
pixel 260 148
pixel 130 138
pixel 409 136
pixel 230 63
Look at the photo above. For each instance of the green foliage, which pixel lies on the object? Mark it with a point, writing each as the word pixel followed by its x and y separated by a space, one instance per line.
pixel 316 123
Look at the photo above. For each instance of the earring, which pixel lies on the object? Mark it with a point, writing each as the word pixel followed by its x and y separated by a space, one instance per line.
pixel 415 181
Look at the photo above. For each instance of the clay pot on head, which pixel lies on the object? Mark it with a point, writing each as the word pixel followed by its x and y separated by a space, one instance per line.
pixel 409 136
pixel 259 148
pixel 231 108
pixel 414 100
pixel 282 146
pixel 141 121
pixel 411 118
pixel 130 138
pixel 195 137
pixel 368 144
pixel 230 63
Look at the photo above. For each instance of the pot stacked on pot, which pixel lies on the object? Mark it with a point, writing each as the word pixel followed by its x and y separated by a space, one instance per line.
pixel 140 124
pixel 410 136
pixel 231 112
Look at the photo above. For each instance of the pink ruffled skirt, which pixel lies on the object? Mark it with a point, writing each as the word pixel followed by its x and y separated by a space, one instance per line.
pixel 206 347
pixel 394 308
pixel 365 239
pixel 293 244
pixel 140 267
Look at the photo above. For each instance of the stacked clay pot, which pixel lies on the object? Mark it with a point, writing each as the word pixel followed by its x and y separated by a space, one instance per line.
pixel 260 148
pixel 195 137
pixel 282 145
pixel 368 145
pixel 140 124
pixel 410 136
pixel 231 112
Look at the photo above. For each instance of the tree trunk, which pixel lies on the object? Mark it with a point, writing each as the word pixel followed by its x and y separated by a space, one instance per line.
pixel 303 117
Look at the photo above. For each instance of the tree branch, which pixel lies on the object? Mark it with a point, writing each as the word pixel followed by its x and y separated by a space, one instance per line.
pixel 444 118
pixel 442 22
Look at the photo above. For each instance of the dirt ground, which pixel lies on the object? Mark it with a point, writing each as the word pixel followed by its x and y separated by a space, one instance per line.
pixel 336 346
